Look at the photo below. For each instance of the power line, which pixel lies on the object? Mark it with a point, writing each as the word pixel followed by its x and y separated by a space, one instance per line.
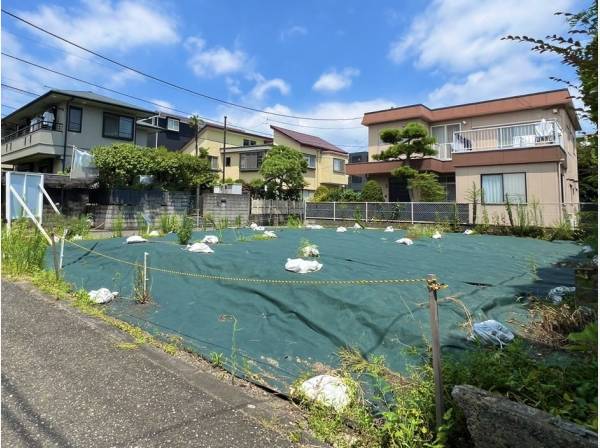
pixel 169 83
pixel 312 127
pixel 9 106
pixel 20 90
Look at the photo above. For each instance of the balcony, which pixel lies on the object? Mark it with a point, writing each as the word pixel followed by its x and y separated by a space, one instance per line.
pixel 527 135
pixel 42 132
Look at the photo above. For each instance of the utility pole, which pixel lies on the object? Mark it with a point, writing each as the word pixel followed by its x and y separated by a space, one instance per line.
pixel 224 144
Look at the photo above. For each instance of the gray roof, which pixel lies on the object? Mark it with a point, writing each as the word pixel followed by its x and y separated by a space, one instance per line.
pixel 86 94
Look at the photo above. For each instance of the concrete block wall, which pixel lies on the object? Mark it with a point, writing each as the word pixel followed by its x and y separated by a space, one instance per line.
pixel 229 206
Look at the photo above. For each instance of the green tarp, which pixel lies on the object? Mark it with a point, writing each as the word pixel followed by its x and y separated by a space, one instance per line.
pixel 284 329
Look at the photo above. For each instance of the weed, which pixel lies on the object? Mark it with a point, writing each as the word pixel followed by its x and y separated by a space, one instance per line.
pixel 217 359
pixel 185 229
pixel 561 231
pixel 416 231
pixel 260 237
pixel 168 223
pixel 118 226
pixel 234 349
pixel 141 294
pixel 551 324
pixel 294 222
pixel 585 340
pixel 142 226
pixel 307 249
pixel 238 222
pixel 23 248
pixel 126 346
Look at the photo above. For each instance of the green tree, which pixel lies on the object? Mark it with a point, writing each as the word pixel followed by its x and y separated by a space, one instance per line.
pixel 578 50
pixel 407 143
pixel 196 124
pixel 372 192
pixel 283 170
pixel 587 167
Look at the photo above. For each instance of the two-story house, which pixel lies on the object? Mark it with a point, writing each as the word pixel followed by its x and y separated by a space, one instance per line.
pixel 244 152
pixel 520 147
pixel 40 135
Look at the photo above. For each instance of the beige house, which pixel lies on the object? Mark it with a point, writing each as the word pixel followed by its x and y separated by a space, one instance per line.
pixel 40 135
pixel 244 153
pixel 520 147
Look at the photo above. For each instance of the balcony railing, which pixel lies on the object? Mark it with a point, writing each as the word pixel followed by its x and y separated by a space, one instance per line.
pixel 541 133
pixel 25 130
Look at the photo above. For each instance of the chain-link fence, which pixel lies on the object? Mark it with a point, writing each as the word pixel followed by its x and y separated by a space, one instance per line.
pixel 534 214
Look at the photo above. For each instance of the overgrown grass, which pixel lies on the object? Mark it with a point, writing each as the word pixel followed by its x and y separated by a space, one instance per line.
pixel 23 248
pixel 185 229
pixel 168 223
pixel 417 231
pixel 118 226
pixel 294 222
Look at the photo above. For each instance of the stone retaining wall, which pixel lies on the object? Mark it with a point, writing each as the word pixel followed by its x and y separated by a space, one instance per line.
pixel 226 206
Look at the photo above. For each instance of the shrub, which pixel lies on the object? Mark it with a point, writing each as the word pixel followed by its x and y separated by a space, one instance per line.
pixel 185 229
pixel 321 194
pixel 118 226
pixel 294 222
pixel 23 248
pixel 372 192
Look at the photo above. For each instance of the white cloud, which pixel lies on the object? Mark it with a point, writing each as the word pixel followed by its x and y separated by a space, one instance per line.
pixel 263 86
pixel 233 86
pixel 332 81
pixel 336 132
pixel 163 105
pixel 461 40
pixel 215 61
pixel 104 24
pixel 292 31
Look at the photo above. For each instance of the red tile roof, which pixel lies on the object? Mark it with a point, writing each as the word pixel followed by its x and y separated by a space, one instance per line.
pixel 309 140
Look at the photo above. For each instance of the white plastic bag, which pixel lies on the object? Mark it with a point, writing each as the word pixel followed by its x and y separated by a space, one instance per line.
pixel 328 390
pixel 405 241
pixel 270 234
pixel 357 226
pixel 341 229
pixel 314 226
pixel 201 248
pixel 389 229
pixel 102 295
pixel 468 232
pixel 437 235
pixel 556 295
pixel 135 239
pixel 210 239
pixel 493 332
pixel 300 266
pixel 154 233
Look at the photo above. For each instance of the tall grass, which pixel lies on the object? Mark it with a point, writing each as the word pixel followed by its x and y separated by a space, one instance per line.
pixel 23 248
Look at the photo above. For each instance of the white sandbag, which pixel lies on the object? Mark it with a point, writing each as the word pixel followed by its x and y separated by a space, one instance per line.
pixel 300 266
pixel 328 390
pixel 556 295
pixel 210 239
pixel 201 248
pixel 154 233
pixel 389 229
pixel 135 239
pixel 102 295
pixel 468 232
pixel 259 229
pixel 437 235
pixel 253 225
pixel 405 241
pixel 341 229
pixel 314 226
pixel 270 234
pixel 493 332
pixel 310 251
pixel 357 226
pixel 77 238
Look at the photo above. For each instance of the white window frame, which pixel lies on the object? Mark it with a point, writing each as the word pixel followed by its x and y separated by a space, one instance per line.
pixel 308 158
pixel 524 173
pixel 343 162
pixel 172 124
pixel 249 142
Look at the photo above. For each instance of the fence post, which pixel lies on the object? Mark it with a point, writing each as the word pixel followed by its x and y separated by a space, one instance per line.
pixel 305 205
pixel 412 212
pixel 55 256
pixel 366 212
pixel 145 272
pixel 432 287
pixel 334 210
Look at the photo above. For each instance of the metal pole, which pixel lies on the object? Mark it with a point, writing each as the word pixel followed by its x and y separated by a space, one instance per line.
pixel 145 273
pixel 224 144
pixel 433 286
pixel 334 211
pixel 62 248
pixel 55 257
pixel 412 212
pixel 366 213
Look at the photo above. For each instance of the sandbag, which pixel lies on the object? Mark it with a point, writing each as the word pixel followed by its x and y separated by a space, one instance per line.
pixel 210 239
pixel 201 248
pixel 328 390
pixel 389 229
pixel 341 229
pixel 270 234
pixel 102 295
pixel 556 295
pixel 300 266
pixel 493 332
pixel 437 235
pixel 135 239
pixel 405 241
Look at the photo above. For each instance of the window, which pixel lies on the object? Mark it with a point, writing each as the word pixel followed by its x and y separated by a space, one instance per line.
pixel 338 165
pixel 173 124
pixel 75 114
pixel 227 161
pixel 250 161
pixel 214 162
pixel 310 160
pixel 248 142
pixel 356 179
pixel 498 187
pixel 117 126
pixel 444 138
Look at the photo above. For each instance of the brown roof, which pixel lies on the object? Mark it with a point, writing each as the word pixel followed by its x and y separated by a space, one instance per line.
pixel 237 130
pixel 560 97
pixel 309 140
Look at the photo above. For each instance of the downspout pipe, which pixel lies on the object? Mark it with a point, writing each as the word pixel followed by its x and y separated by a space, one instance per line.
pixel 66 129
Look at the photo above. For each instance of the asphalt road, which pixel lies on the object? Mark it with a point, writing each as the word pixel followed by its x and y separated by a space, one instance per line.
pixel 66 384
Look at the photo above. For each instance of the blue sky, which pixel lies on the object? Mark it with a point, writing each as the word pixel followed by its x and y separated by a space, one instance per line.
pixel 322 59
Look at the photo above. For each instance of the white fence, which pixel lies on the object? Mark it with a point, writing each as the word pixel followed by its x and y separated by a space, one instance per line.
pixel 537 214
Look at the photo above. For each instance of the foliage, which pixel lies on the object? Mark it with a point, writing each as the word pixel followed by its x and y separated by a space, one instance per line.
pixel 578 50
pixel 427 187
pixel 185 229
pixel 234 347
pixel 372 192
pixel 568 390
pixel 282 170
pixel 196 124
pixel 474 195
pixel 217 359
pixel 141 294
pixel 118 226
pixel 585 340
pixel 416 231
pixel 327 194
pixel 23 248
pixel 294 222
pixel 587 168
pixel 256 187
pixel 168 223
pixel 121 164
pixel 321 194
